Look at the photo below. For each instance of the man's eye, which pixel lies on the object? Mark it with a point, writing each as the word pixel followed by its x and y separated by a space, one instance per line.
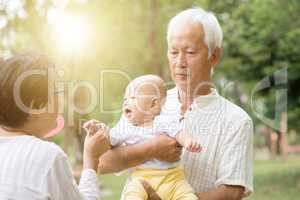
pixel 191 52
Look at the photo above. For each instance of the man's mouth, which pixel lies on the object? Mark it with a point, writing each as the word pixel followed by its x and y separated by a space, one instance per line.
pixel 182 75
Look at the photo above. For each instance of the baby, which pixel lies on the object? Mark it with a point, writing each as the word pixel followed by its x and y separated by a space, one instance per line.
pixel 143 101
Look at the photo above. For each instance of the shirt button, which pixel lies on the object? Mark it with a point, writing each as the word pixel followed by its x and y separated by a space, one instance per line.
pixel 181 118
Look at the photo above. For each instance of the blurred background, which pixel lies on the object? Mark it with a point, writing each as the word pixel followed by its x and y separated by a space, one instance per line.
pixel 99 45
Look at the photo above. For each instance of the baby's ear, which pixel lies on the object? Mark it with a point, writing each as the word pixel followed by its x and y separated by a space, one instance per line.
pixel 154 102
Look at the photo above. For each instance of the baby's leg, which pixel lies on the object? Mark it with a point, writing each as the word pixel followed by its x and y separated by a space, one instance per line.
pixel 134 190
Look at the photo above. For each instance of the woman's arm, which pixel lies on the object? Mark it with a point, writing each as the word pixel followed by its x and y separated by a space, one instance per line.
pixel 95 145
pixel 60 183
pixel 120 158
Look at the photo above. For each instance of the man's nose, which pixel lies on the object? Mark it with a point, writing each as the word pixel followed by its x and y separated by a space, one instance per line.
pixel 181 61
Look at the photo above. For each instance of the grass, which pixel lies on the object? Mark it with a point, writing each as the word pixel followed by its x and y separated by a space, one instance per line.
pixel 112 186
pixel 273 180
pixel 277 180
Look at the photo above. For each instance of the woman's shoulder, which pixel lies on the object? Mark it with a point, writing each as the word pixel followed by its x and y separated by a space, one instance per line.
pixel 46 153
pixel 47 146
pixel 40 148
pixel 35 156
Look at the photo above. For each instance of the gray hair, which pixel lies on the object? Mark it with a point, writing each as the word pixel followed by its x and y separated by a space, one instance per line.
pixel 213 34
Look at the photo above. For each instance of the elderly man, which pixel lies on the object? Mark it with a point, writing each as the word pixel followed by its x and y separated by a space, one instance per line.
pixel 223 170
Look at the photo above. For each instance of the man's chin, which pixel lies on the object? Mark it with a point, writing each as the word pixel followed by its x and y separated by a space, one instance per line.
pixel 181 78
pixel 182 85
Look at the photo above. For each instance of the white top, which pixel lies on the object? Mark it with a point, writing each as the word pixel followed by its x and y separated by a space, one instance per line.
pixel 34 169
pixel 124 133
pixel 225 131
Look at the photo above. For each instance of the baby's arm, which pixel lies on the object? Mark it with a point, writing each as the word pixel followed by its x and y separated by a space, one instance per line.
pixel 188 142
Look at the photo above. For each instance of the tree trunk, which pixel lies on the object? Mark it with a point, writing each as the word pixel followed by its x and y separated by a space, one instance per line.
pixel 272 138
pixel 282 136
pixel 155 61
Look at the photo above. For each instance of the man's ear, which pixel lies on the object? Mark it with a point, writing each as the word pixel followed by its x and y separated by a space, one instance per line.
pixel 215 56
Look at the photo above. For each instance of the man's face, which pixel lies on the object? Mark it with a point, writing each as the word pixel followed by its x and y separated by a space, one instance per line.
pixel 188 56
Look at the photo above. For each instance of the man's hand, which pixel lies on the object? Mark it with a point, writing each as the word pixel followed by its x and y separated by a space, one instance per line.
pixel 165 148
pixel 95 145
pixel 152 195
pixel 223 192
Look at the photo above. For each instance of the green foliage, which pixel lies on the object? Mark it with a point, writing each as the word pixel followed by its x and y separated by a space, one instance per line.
pixel 260 38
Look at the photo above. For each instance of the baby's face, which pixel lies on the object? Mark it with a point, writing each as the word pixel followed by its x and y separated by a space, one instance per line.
pixel 136 105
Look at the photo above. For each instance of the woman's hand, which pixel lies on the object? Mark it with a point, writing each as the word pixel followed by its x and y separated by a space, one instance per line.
pixel 95 144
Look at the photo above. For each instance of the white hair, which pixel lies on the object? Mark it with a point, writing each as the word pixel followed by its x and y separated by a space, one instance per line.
pixel 213 34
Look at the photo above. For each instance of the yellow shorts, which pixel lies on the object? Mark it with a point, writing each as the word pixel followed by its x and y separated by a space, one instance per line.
pixel 170 184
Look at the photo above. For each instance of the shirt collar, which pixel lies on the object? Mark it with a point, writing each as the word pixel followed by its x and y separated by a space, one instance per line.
pixel 203 100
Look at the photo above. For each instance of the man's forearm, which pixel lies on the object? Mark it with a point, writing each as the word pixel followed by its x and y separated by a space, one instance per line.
pixel 223 192
pixel 124 157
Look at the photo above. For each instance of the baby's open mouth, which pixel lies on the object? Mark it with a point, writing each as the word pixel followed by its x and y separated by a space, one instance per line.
pixel 127 112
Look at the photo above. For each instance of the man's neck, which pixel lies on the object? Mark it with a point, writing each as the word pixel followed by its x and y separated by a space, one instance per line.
pixel 186 97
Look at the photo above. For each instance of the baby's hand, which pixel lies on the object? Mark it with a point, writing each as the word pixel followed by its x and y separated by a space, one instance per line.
pixel 192 146
pixel 93 126
pixel 96 142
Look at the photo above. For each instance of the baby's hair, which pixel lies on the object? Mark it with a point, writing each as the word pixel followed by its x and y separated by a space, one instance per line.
pixel 155 82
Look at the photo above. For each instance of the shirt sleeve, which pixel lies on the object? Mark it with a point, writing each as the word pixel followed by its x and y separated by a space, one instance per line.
pixel 236 157
pixel 61 184
pixel 117 134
